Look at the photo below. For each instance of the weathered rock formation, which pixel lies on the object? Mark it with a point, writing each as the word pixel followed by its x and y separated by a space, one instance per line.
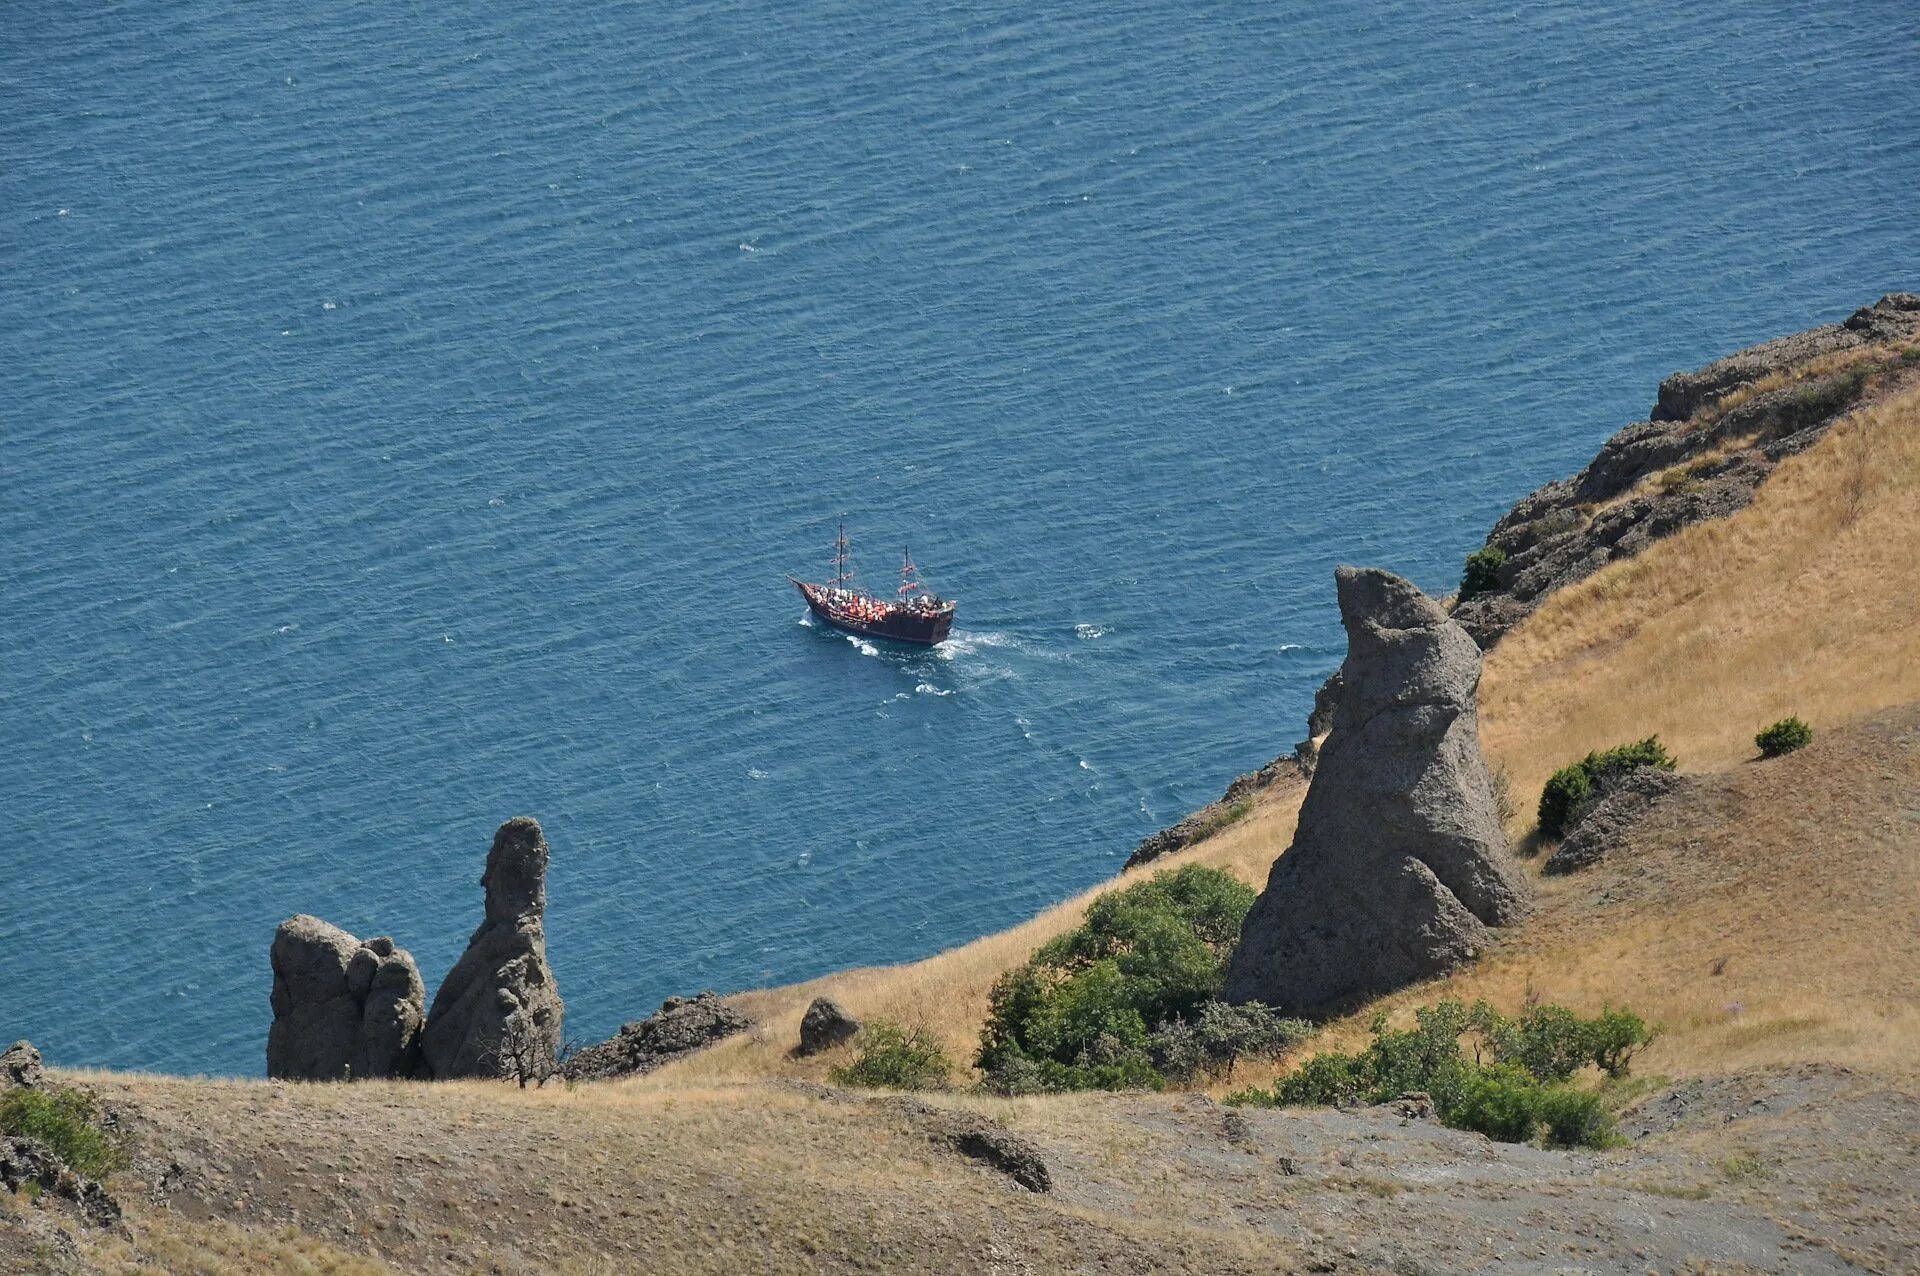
pixel 681 1026
pixel 498 1013
pixel 1606 819
pixel 1710 459
pixel 1399 865
pixel 343 1009
pixel 825 1025
pixel 20 1066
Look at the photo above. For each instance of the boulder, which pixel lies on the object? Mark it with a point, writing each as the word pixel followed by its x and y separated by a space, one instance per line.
pixel 1398 867
pixel 825 1026
pixel 498 1013
pixel 20 1066
pixel 681 1026
pixel 1609 814
pixel 343 1009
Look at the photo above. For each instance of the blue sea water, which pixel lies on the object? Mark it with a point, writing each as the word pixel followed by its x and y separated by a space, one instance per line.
pixel 408 411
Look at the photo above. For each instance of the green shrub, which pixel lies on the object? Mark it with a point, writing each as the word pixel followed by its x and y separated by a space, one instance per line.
pixel 1783 736
pixel 1817 400
pixel 68 1121
pixel 1482 573
pixel 1613 1038
pixel 1552 1043
pixel 1095 1007
pixel 1569 789
pixel 889 1057
pixel 1523 1093
pixel 1218 1035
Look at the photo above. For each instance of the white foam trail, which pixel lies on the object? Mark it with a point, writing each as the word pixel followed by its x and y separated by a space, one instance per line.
pixel 1289 646
pixel 928 689
pixel 1089 632
pixel 755 773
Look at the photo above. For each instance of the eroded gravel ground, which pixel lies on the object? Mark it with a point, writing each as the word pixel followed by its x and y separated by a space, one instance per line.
pixel 1809 1170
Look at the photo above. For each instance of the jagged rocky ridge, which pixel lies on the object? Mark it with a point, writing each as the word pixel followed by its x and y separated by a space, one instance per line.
pixel 1398 868
pixel 681 1026
pixel 1710 450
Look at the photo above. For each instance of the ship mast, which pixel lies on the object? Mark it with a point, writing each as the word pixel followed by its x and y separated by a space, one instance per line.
pixel 843 558
pixel 909 582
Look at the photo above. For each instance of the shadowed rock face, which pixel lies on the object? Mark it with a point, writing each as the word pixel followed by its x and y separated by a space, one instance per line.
pixel 1399 864
pixel 499 1010
pixel 342 1009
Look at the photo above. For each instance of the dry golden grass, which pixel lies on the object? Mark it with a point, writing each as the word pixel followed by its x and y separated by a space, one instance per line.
pixel 1803 604
pixel 167 1245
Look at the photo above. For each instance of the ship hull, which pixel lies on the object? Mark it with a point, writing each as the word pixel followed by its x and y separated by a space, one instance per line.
pixel 926 630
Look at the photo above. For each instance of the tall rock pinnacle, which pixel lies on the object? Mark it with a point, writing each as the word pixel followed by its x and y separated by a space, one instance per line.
pixel 1399 865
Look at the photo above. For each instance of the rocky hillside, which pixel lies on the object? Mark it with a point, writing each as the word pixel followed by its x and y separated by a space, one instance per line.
pixel 1761 912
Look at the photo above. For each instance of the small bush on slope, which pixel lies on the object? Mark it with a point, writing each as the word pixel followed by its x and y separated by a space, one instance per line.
pixel 1569 788
pixel 1127 999
pixel 1482 571
pixel 68 1121
pixel 1522 1093
pixel 1783 736
pixel 889 1057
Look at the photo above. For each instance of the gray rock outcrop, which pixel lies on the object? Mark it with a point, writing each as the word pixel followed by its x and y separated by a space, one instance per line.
pixel 1684 393
pixel 825 1025
pixel 20 1066
pixel 343 1009
pixel 1399 866
pixel 498 1013
pixel 1608 816
pixel 681 1026
pixel 1709 460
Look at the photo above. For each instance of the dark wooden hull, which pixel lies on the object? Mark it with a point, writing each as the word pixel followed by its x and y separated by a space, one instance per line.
pixel 921 629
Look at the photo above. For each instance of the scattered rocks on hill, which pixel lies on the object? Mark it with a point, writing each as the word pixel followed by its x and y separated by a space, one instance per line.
pixel 499 1012
pixel 981 1138
pixel 681 1026
pixel 20 1066
pixel 1604 820
pixel 343 1009
pixel 1571 528
pixel 824 1026
pixel 1399 865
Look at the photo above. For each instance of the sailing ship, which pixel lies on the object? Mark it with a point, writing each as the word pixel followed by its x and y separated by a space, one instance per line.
pixel 915 614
